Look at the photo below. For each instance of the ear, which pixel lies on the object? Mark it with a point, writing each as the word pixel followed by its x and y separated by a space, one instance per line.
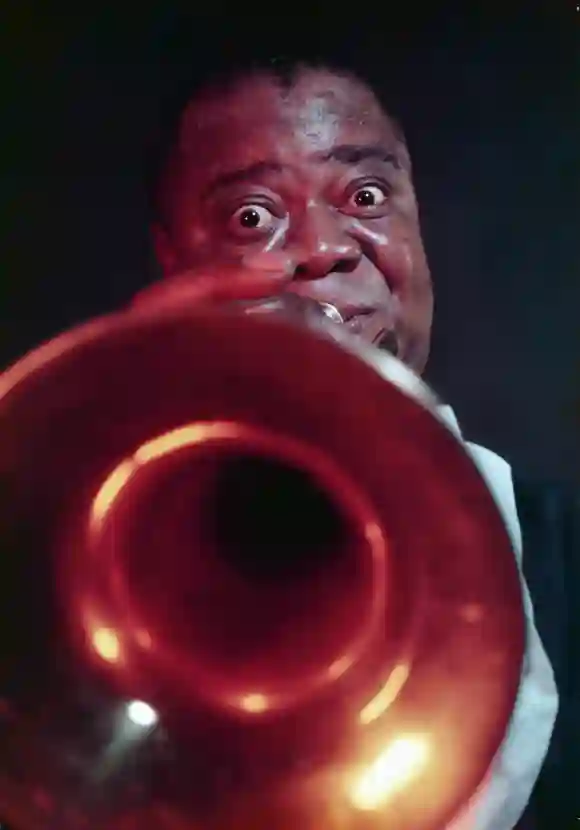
pixel 164 250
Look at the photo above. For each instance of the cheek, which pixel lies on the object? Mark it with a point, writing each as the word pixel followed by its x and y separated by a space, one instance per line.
pixel 392 246
pixel 212 243
pixel 190 241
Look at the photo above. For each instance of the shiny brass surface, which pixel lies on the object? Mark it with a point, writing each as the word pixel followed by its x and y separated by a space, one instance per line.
pixel 246 584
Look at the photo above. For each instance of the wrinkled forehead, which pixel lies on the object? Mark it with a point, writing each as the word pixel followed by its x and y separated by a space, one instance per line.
pixel 256 120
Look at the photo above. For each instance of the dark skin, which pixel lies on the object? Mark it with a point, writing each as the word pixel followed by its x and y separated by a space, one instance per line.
pixel 307 192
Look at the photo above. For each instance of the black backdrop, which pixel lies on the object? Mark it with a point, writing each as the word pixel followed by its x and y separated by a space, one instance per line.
pixel 491 105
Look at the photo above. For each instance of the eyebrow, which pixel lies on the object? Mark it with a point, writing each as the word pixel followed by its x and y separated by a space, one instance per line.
pixel 347 154
pixel 355 153
pixel 244 174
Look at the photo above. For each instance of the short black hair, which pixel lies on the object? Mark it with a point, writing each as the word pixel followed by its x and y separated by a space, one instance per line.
pixel 194 60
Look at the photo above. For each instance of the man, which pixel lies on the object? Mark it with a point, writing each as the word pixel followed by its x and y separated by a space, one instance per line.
pixel 298 183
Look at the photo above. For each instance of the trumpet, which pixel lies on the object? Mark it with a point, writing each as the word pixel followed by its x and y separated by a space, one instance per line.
pixel 239 593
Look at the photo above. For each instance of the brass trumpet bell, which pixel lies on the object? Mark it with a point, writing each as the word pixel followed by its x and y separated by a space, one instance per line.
pixel 246 584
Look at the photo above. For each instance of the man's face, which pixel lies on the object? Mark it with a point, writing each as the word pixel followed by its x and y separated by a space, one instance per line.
pixel 319 174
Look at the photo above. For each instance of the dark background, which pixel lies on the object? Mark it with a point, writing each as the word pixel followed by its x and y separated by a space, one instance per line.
pixel 490 101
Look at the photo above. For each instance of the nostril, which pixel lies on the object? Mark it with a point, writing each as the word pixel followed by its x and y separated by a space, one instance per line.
pixel 318 269
pixel 301 271
pixel 345 266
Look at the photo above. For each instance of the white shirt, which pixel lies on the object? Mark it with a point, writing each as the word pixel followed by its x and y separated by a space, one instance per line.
pixel 504 795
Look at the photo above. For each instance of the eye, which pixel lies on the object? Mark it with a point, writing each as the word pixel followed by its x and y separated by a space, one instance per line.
pixel 369 196
pixel 250 218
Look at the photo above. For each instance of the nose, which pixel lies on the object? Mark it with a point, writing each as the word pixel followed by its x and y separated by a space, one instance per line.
pixel 322 246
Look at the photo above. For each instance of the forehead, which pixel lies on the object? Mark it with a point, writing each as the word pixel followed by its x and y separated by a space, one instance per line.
pixel 255 120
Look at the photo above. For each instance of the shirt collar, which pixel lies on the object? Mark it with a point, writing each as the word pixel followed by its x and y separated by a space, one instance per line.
pixel 449 418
